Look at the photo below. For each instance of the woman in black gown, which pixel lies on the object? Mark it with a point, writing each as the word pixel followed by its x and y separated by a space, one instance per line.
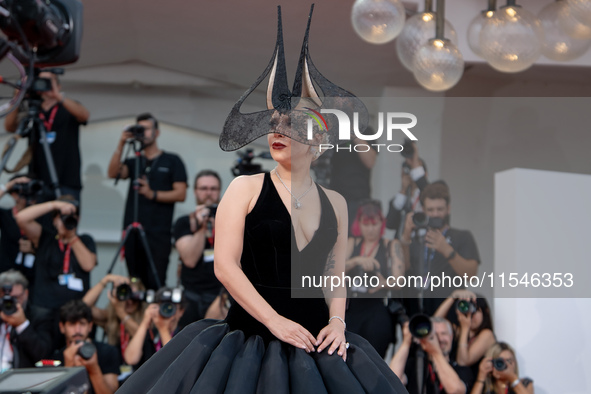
pixel 270 227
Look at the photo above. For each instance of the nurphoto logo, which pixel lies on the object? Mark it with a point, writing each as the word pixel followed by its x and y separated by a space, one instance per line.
pixel 388 122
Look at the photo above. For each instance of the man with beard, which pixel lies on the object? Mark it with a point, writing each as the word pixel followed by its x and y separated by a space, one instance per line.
pixel 194 237
pixel 162 183
pixel 100 359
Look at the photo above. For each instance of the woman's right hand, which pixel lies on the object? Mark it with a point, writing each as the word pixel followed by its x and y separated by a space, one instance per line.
pixel 292 333
pixel 485 368
pixel 115 279
pixel 367 264
pixel 462 294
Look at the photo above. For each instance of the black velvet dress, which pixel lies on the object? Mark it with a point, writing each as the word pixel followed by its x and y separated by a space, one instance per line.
pixel 240 355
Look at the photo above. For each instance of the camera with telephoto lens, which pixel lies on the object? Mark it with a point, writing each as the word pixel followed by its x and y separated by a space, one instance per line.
pixel 466 307
pixel 29 189
pixel 421 220
pixel 8 306
pixel 420 325
pixel 138 132
pixel 499 364
pixel 124 292
pixel 169 300
pixel 408 149
pixel 87 350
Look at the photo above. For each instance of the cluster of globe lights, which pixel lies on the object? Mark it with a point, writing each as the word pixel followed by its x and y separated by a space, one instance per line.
pixel 510 39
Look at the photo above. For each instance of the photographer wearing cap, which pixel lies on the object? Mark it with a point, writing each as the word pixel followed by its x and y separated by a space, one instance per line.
pixel 123 315
pixel 414 180
pixel 16 250
pixel 162 183
pixel 100 360
pixel 439 373
pixel 24 334
pixel 62 118
pixel 64 259
pixel 194 237
pixel 442 249
pixel 159 325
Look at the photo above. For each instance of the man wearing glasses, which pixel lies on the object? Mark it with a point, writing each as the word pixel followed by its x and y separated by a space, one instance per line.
pixel 194 235
pixel 25 336
pixel 162 183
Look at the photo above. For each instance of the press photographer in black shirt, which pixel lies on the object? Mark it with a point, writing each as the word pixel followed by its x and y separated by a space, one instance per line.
pixel 445 250
pixel 16 250
pixel 194 237
pixel 25 335
pixel 64 259
pixel 100 360
pixel 162 183
pixel 62 117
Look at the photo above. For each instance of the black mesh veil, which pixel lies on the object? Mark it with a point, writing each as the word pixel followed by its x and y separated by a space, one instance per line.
pixel 303 104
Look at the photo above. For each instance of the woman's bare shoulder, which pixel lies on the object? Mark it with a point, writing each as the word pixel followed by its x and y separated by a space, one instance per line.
pixel 337 201
pixel 244 189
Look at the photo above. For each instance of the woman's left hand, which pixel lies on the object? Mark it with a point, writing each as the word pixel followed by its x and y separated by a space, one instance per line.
pixel 333 335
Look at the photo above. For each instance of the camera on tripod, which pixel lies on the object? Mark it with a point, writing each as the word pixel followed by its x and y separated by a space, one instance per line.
pixel 138 132
pixel 421 220
pixel 29 189
pixel 8 306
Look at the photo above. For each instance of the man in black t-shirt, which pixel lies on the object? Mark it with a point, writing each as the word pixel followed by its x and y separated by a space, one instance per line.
pixel 16 251
pixel 64 259
pixel 62 118
pixel 103 365
pixel 162 183
pixel 429 362
pixel 447 251
pixel 194 236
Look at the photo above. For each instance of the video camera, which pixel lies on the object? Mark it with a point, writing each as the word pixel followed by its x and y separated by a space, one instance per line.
pixel 49 31
pixel 8 305
pixel 29 189
pixel 244 164
pixel 421 220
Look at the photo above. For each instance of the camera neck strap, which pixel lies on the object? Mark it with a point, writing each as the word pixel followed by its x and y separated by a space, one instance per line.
pixel 68 251
pixel 48 123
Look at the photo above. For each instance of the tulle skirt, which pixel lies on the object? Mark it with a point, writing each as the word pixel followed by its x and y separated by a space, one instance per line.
pixel 206 357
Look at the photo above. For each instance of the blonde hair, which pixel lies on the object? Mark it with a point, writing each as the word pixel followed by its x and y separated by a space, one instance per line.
pixel 495 352
pixel 112 326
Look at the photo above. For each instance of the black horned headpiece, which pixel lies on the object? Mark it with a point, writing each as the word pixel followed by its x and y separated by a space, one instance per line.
pixel 301 104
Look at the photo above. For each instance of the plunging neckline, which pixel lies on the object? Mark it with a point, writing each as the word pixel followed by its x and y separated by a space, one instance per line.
pixel 291 222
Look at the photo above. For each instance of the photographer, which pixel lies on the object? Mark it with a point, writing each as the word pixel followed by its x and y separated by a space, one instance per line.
pixel 474 329
pixel 443 250
pixel 62 118
pixel 121 318
pixel 162 183
pixel 369 253
pixel 194 238
pixel 64 259
pixel 440 374
pixel 499 373
pixel 16 250
pixel 25 334
pixel 100 360
pixel 414 180
pixel 159 325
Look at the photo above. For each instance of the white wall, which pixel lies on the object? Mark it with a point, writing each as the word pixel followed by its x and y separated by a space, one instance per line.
pixel 540 228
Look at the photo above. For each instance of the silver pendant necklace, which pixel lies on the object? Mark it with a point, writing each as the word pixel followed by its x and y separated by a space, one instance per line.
pixel 297 204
